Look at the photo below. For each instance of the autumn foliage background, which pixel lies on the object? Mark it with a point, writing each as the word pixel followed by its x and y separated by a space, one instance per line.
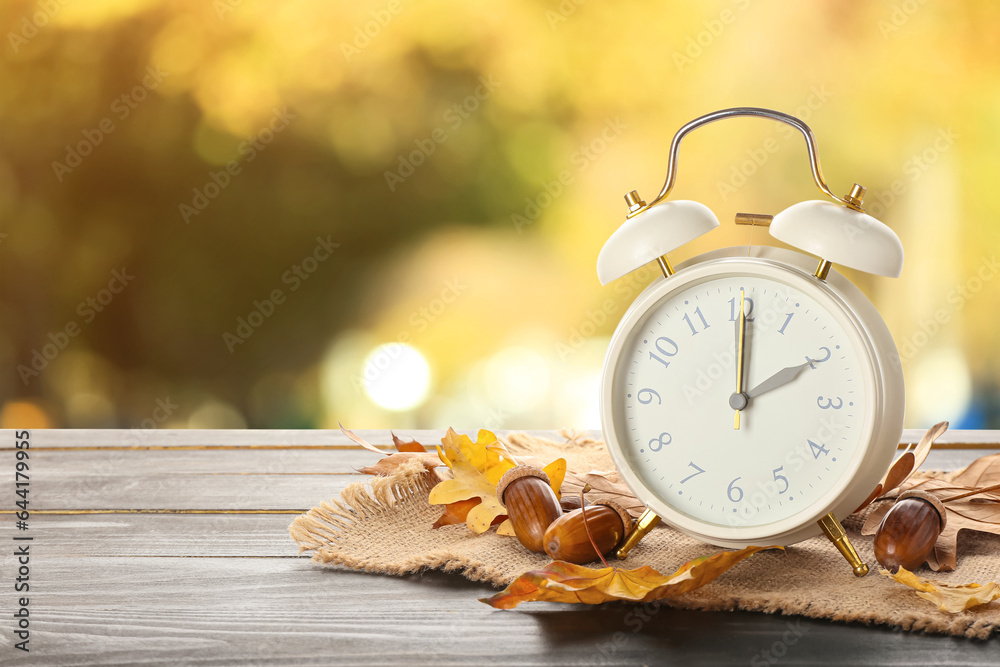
pixel 438 177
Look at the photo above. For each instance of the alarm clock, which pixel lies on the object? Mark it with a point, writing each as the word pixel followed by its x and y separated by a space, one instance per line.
pixel 752 395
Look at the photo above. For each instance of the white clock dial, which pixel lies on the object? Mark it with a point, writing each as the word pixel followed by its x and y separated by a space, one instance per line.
pixel 801 434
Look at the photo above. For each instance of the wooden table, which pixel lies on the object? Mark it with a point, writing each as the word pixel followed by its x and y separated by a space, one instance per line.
pixel 172 547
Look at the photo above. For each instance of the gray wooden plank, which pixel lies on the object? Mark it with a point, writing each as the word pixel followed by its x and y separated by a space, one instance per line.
pixel 175 535
pixel 278 611
pixel 186 492
pixel 84 438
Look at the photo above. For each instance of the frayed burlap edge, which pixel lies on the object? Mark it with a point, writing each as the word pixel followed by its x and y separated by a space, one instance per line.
pixel 362 506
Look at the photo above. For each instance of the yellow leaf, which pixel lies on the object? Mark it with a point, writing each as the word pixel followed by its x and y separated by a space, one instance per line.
pixel 506 528
pixel 952 599
pixel 477 467
pixel 557 473
pixel 560 581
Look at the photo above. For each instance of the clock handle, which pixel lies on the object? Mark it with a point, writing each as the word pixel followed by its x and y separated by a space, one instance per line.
pixel 835 532
pixel 645 523
pixel 850 200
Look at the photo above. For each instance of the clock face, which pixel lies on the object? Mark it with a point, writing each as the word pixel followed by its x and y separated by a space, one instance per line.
pixel 805 398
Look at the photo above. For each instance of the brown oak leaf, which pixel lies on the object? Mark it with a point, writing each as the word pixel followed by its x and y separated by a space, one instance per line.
pixel 389 462
pixel 560 581
pixel 604 486
pixel 908 463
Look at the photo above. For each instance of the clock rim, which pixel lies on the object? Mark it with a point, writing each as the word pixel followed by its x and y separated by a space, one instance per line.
pixel 883 380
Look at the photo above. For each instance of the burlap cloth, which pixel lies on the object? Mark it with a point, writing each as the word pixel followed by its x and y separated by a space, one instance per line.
pixel 383 525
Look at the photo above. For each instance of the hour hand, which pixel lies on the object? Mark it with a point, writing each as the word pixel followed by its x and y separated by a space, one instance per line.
pixel 782 377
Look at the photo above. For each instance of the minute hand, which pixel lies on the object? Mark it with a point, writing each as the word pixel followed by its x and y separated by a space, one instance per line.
pixel 782 377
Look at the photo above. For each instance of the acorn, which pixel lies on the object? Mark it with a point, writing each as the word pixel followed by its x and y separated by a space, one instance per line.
pixel 566 539
pixel 909 530
pixel 531 504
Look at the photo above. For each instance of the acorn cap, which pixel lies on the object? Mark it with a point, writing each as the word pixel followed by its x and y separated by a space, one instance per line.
pixel 517 472
pixel 930 498
pixel 622 512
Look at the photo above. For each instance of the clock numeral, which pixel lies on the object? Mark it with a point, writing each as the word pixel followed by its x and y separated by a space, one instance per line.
pixel 694 474
pixel 704 323
pixel 817 449
pixel 734 492
pixel 788 318
pixel 656 444
pixel 649 396
pixel 829 403
pixel 734 309
pixel 661 344
pixel 819 361
pixel 781 477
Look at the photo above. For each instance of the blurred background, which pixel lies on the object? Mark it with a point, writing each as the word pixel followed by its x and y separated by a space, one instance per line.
pixel 285 214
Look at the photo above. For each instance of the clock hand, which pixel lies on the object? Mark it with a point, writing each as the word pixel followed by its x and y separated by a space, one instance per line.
pixel 738 400
pixel 782 377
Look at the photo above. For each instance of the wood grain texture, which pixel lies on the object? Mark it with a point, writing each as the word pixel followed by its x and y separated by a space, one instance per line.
pixel 229 588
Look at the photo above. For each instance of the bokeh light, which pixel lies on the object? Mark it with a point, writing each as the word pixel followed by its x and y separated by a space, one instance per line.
pixel 397 377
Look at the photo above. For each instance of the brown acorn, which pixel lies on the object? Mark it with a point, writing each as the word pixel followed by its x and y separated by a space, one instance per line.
pixel 566 539
pixel 909 530
pixel 531 504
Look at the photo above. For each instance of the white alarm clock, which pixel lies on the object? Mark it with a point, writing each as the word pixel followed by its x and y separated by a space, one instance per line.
pixel 753 395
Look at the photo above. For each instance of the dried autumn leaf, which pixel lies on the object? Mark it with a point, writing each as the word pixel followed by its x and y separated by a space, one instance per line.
pixel 456 512
pixel 560 581
pixel 406 445
pixel 477 467
pixel 359 440
pixel 604 486
pixel 949 598
pixel 984 471
pixel 908 463
pixel 388 464
pixel 556 472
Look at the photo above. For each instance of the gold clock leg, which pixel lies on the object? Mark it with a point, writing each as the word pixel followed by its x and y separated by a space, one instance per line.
pixel 646 523
pixel 835 532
